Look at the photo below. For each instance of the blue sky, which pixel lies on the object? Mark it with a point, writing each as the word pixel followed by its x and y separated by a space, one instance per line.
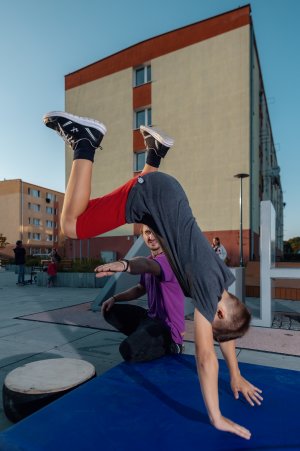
pixel 42 41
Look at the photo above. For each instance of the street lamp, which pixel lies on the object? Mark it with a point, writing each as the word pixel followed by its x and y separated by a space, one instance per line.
pixel 241 177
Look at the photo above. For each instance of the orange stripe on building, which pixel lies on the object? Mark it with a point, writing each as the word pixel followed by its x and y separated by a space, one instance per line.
pixel 141 96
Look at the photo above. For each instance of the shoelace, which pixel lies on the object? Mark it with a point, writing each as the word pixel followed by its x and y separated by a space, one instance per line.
pixel 69 139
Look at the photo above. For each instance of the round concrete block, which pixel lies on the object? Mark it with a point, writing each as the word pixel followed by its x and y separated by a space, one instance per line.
pixel 28 388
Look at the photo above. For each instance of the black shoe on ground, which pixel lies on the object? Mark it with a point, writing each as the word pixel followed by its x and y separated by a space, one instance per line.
pixel 156 140
pixel 75 129
pixel 176 348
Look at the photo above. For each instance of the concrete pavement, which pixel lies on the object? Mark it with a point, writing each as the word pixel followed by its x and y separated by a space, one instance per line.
pixel 24 341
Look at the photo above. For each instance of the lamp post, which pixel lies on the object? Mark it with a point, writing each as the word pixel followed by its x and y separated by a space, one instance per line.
pixel 241 177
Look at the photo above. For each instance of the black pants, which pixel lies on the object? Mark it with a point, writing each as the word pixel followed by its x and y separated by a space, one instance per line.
pixel 147 338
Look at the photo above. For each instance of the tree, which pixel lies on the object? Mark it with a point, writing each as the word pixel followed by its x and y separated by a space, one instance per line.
pixel 295 244
pixel 287 249
pixel 3 241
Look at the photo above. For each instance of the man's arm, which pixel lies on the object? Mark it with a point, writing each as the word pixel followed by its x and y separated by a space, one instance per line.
pixel 137 265
pixel 208 368
pixel 128 295
pixel 237 381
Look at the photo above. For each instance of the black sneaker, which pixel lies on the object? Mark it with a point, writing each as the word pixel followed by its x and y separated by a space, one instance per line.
pixel 156 140
pixel 74 129
pixel 176 348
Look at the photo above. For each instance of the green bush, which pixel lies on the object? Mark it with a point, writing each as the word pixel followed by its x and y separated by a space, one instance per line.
pixel 7 260
pixel 33 261
pixel 83 265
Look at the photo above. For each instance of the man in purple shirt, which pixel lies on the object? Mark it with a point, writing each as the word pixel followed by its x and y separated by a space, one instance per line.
pixel 159 330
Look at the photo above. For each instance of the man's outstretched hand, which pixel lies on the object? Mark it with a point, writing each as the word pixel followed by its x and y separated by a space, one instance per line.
pixel 250 392
pixel 226 425
pixel 109 269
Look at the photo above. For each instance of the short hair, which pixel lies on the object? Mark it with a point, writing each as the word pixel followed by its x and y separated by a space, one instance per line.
pixel 238 323
pixel 18 242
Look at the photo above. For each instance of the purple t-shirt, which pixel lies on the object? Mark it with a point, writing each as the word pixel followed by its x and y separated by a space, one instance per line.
pixel 165 298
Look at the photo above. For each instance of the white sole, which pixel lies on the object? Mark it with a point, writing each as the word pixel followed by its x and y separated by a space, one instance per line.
pixel 165 140
pixel 85 121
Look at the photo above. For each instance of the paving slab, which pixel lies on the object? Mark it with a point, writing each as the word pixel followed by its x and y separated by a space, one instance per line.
pixel 12 326
pixel 270 359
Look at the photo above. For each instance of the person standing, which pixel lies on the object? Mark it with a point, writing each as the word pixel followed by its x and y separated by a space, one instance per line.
pixel 219 249
pixel 52 272
pixel 54 254
pixel 20 254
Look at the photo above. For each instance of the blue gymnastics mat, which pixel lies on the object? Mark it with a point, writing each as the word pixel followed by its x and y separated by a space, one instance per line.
pixel 157 406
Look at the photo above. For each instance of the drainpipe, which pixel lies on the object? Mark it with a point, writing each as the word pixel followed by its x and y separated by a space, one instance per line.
pixel 251 141
pixel 22 210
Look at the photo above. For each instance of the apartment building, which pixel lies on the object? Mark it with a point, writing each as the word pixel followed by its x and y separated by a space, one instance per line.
pixel 30 213
pixel 203 85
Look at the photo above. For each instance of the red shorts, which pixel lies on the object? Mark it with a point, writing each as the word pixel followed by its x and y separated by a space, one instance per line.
pixel 104 213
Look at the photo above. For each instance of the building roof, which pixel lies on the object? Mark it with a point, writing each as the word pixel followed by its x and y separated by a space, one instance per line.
pixel 160 45
pixel 31 184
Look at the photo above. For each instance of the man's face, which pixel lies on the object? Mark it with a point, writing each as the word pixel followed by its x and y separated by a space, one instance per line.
pixel 150 239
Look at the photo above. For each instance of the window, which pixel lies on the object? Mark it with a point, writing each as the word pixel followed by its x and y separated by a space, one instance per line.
pixel 139 161
pixel 34 192
pixel 51 197
pixel 35 250
pixel 49 224
pixel 148 73
pixel 34 236
pixel 36 221
pixel 51 211
pixel 142 75
pixel 49 237
pixel 34 207
pixel 143 117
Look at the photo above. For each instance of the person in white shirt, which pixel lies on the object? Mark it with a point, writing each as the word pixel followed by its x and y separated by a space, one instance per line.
pixel 219 248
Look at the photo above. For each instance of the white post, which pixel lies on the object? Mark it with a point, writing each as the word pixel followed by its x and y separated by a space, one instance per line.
pixel 267 261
